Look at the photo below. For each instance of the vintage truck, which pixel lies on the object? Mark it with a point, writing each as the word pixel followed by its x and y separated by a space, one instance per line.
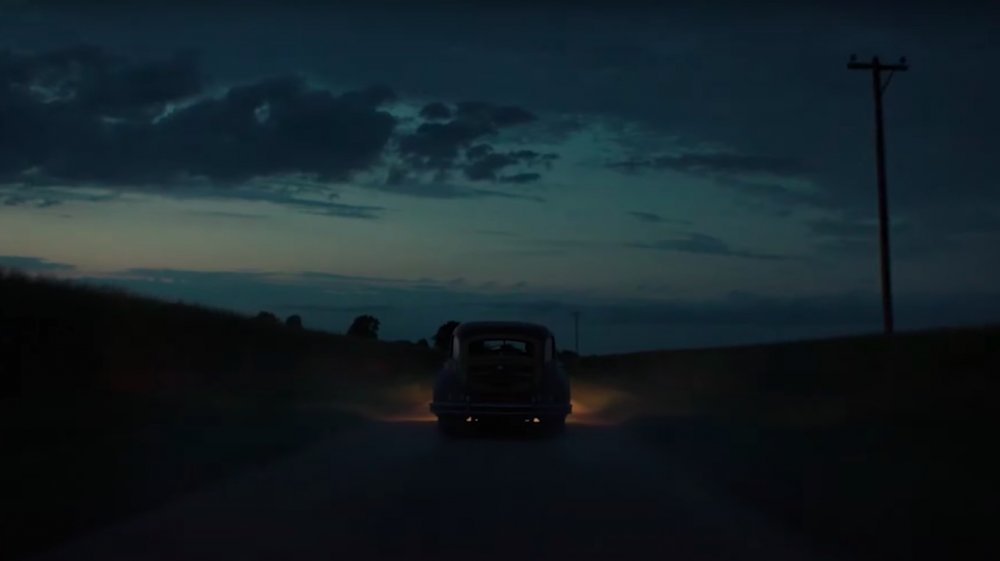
pixel 501 371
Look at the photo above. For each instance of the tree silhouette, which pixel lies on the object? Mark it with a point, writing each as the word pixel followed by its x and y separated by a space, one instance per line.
pixel 294 321
pixel 423 344
pixel 267 318
pixel 442 339
pixel 364 327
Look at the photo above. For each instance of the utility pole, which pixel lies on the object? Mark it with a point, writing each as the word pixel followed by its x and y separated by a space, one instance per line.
pixel 878 87
pixel 576 332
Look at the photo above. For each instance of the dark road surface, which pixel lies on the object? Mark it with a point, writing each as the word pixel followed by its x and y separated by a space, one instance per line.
pixel 402 491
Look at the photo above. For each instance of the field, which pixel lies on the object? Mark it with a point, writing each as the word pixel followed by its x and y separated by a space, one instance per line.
pixel 113 404
pixel 918 375
pixel 873 447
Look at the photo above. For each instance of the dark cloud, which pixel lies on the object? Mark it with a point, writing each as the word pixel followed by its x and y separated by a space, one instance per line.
pixel 776 193
pixel 713 163
pixel 82 117
pixel 44 197
pixel 654 218
pixel 28 201
pixel 913 236
pixel 846 231
pixel 741 173
pixel 534 157
pixel 436 111
pixel 80 114
pixel 529 252
pixel 564 243
pixel 227 214
pixel 521 245
pixel 438 145
pixel 478 151
pixel 730 170
pixel 89 79
pixel 848 246
pixel 702 244
pixel 962 221
pixel 844 228
pixel 141 86
pixel 526 177
pixel 496 115
pixel 26 263
pixel 692 73
pixel 404 181
pixel 372 96
pixel 318 203
pixel 507 195
pixel 275 127
pixel 486 165
pixel 497 233
pixel 480 163
pixel 325 208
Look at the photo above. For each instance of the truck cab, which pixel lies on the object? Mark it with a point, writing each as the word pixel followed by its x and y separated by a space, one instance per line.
pixel 501 371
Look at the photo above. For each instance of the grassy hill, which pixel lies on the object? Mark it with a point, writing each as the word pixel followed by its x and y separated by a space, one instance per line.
pixel 872 447
pixel 913 374
pixel 64 338
pixel 111 403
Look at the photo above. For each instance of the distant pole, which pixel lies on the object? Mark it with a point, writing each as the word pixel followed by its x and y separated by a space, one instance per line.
pixel 878 88
pixel 576 332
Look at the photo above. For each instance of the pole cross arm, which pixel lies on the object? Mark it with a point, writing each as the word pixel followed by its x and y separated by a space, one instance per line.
pixel 898 67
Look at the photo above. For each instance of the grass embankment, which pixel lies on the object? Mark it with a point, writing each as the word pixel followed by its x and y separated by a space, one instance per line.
pixel 872 447
pixel 112 403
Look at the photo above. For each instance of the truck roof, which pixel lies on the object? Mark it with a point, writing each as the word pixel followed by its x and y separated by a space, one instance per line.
pixel 476 328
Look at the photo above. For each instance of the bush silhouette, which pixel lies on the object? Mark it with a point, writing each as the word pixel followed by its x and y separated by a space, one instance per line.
pixel 267 318
pixel 294 321
pixel 364 327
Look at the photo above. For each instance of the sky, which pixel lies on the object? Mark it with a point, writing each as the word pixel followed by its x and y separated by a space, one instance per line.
pixel 681 176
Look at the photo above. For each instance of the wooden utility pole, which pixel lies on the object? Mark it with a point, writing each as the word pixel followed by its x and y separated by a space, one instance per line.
pixel 878 87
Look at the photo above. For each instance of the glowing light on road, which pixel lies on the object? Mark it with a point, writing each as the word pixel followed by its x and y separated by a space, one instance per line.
pixel 593 404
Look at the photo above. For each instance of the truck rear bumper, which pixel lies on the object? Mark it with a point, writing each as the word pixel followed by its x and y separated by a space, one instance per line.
pixel 469 409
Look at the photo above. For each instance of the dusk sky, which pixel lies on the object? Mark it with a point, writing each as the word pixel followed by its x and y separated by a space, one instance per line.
pixel 682 177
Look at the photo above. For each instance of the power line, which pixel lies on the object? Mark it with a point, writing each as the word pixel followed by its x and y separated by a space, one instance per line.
pixel 878 89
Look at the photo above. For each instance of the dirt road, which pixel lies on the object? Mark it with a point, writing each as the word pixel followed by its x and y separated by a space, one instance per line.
pixel 402 491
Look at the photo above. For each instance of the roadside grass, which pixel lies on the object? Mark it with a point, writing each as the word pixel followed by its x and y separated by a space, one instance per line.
pixel 869 447
pixel 112 403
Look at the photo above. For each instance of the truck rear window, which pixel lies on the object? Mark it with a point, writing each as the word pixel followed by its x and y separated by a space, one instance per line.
pixel 501 347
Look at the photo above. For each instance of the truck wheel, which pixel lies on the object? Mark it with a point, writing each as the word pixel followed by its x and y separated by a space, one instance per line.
pixel 450 425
